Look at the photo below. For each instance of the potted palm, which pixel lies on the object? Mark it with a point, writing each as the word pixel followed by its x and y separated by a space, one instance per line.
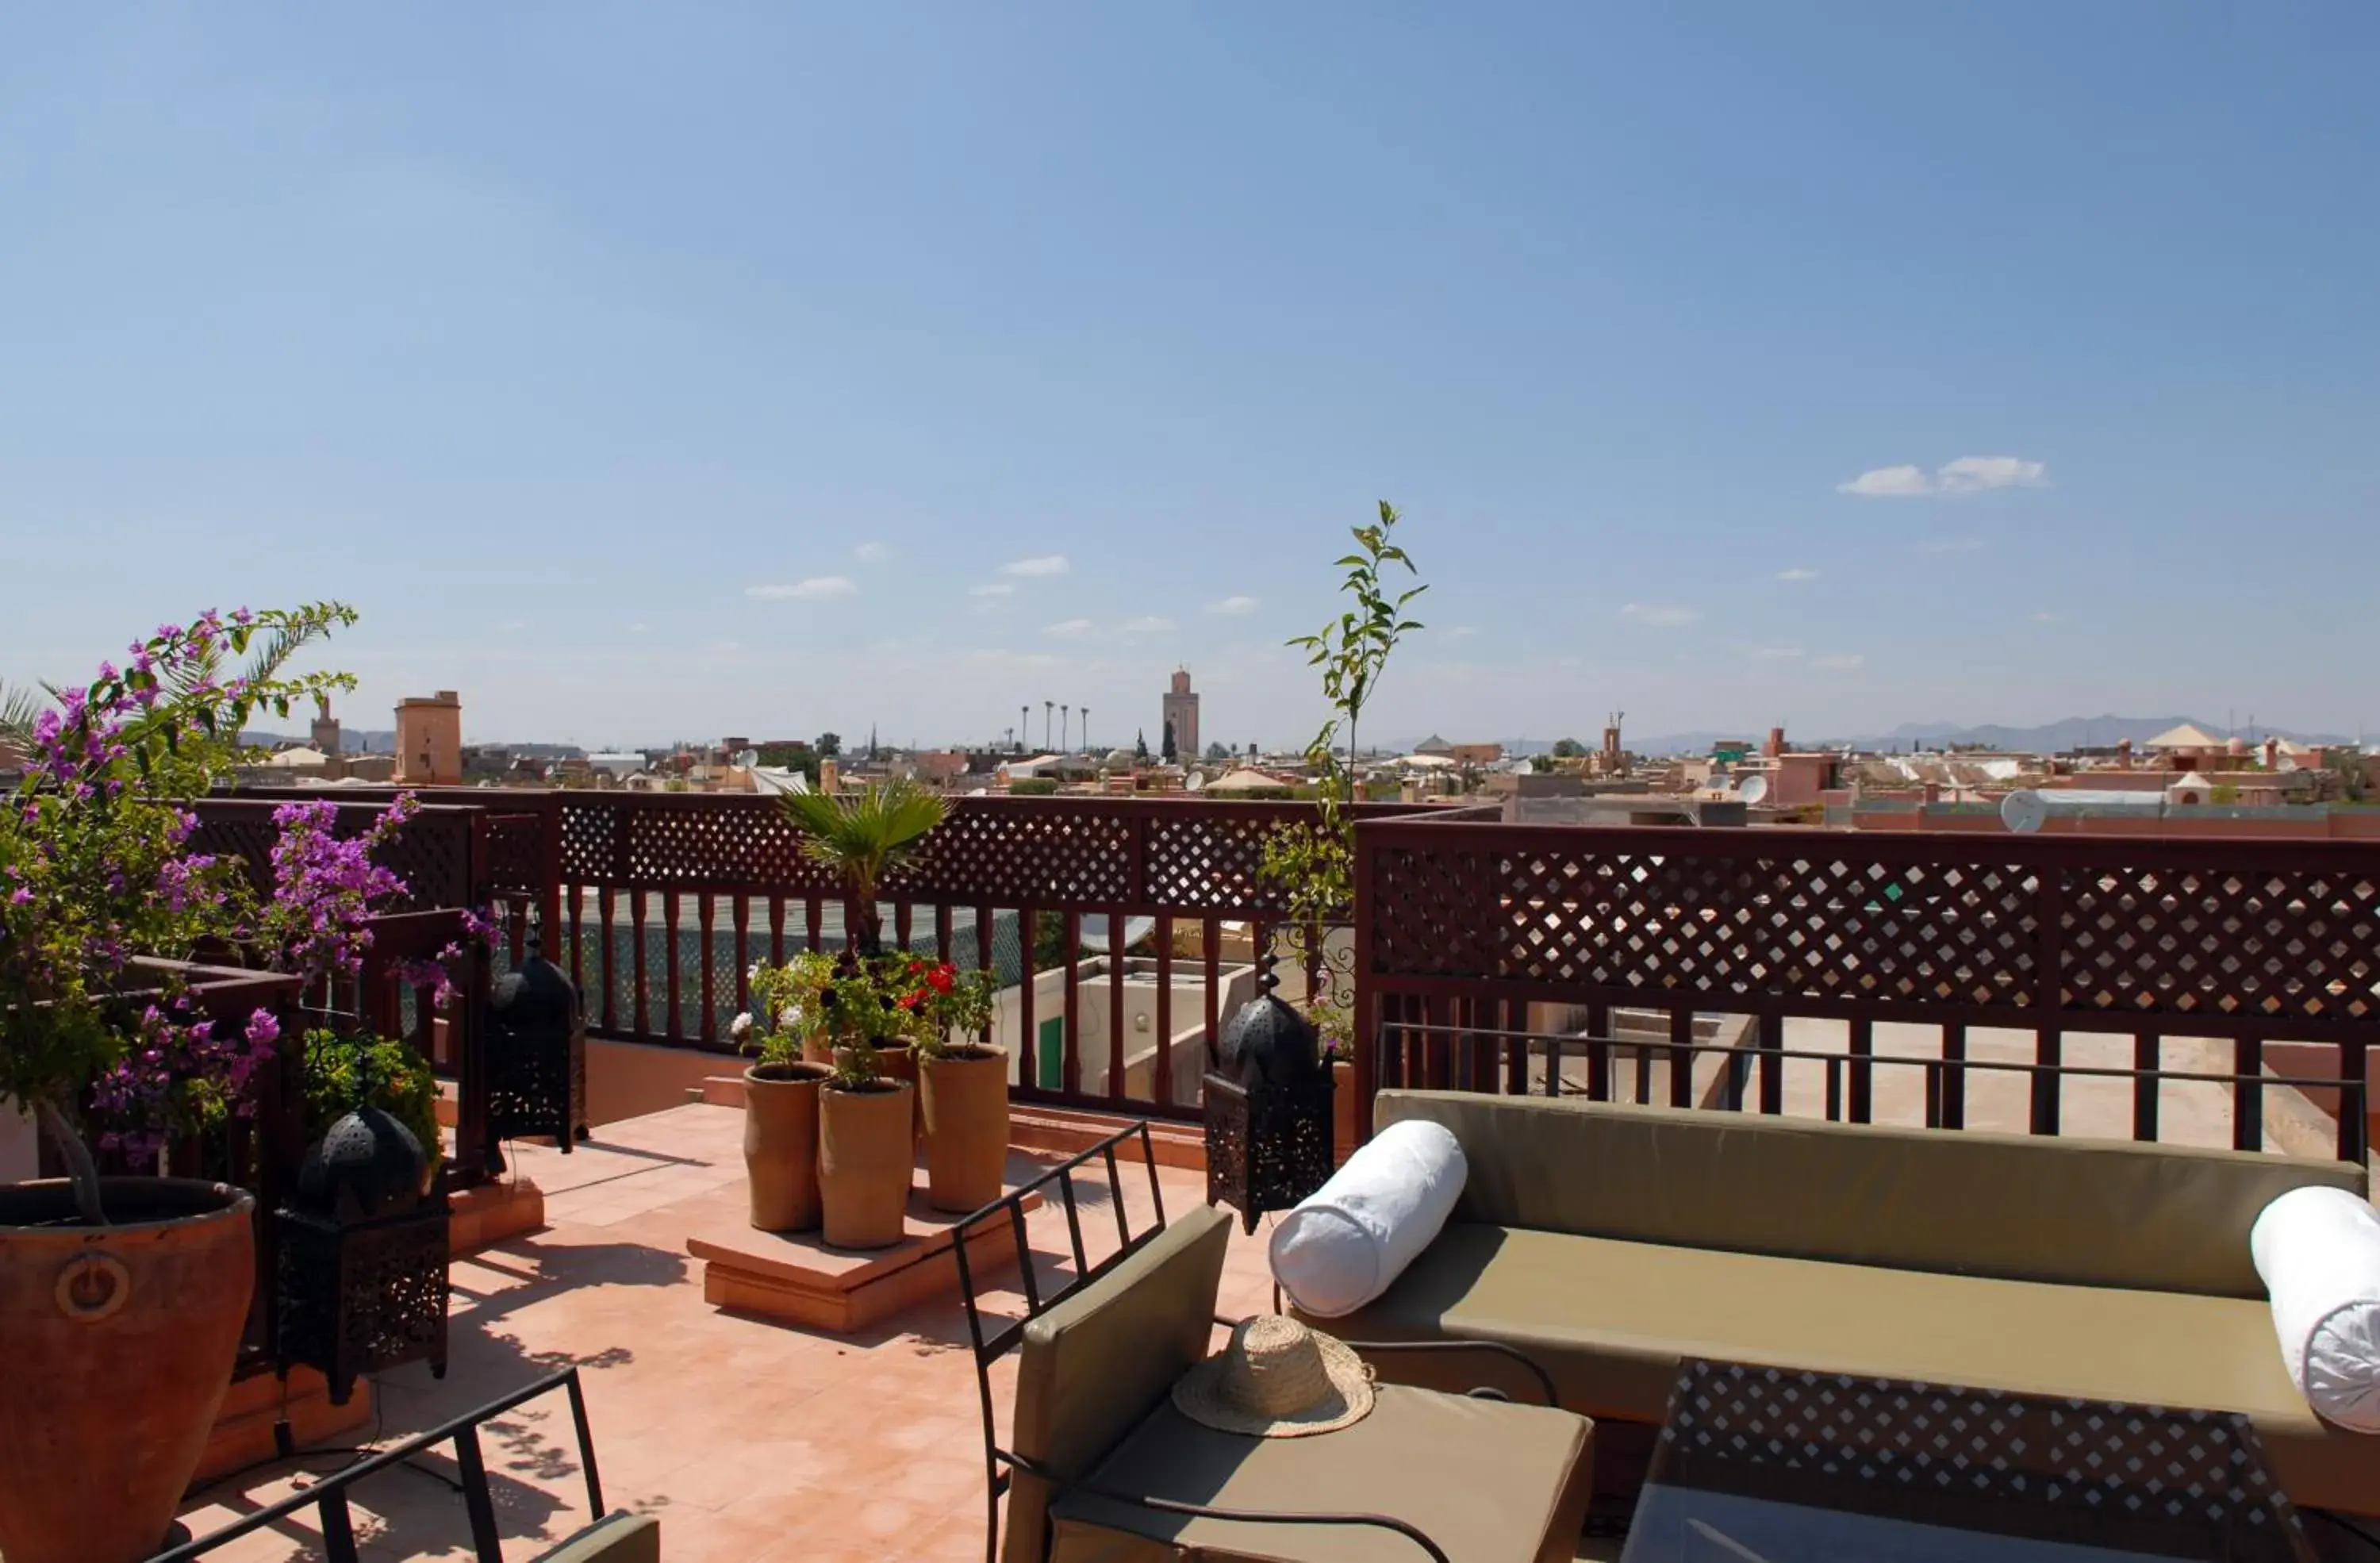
pixel 123 1298
pixel 781 1092
pixel 867 1121
pixel 962 1085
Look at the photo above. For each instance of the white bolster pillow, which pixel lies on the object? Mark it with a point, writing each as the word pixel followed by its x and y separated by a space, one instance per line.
pixel 2318 1250
pixel 1354 1235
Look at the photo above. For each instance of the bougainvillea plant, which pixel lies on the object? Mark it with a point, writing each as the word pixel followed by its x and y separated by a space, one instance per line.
pixel 95 873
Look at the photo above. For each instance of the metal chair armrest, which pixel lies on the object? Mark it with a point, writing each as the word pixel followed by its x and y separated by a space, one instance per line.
pixel 1207 1511
pixel 1537 1369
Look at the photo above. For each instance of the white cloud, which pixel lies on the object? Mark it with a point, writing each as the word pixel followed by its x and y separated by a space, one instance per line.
pixel 1888 482
pixel 1953 480
pixel 1233 606
pixel 1775 653
pixel 810 590
pixel 1798 573
pixel 1660 615
pixel 871 554
pixel 1152 625
pixel 1840 661
pixel 639 629
pixel 993 588
pixel 2045 616
pixel 513 627
pixel 1070 628
pixel 1951 545
pixel 1035 569
pixel 1461 632
pixel 1973 475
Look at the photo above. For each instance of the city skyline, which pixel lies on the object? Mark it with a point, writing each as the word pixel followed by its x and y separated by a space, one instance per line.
pixel 793 370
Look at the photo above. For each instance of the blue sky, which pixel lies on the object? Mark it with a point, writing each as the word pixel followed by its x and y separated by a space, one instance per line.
pixel 549 335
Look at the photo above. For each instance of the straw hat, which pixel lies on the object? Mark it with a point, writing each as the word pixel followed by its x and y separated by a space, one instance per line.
pixel 1277 1379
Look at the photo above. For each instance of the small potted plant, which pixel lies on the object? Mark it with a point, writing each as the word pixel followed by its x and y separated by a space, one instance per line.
pixel 963 1084
pixel 867 1121
pixel 781 1092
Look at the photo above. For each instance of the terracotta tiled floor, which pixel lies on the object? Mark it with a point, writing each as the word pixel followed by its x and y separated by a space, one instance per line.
pixel 751 1440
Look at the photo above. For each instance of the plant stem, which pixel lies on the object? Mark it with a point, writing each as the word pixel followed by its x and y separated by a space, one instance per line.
pixel 80 1168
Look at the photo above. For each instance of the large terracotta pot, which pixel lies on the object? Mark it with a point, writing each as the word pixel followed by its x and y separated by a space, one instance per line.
pixel 964 1102
pixel 895 1061
pixel 866 1153
pixel 780 1145
pixel 118 1343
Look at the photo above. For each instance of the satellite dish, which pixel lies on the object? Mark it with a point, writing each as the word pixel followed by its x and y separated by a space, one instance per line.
pixel 1197 779
pixel 2023 811
pixel 1094 931
pixel 1751 790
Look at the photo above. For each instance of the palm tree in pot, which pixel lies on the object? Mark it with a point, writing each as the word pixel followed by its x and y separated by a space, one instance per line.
pixel 861 838
pixel 868 1123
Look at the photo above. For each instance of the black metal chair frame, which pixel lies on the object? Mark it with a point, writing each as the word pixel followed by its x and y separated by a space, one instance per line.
pixel 328 1496
pixel 1004 1335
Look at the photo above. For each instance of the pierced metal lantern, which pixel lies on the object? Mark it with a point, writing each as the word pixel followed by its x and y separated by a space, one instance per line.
pixel 1268 1104
pixel 362 1243
pixel 537 1053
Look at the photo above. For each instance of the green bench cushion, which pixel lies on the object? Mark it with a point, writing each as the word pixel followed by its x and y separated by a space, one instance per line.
pixel 1611 1320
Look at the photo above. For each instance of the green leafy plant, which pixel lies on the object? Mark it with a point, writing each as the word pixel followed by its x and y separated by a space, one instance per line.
pixel 862 837
pixel 856 1004
pixel 1314 866
pixel 785 1011
pixel 345 1072
pixel 941 1000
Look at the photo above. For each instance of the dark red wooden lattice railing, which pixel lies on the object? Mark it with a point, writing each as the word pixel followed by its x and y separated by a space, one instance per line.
pixel 1461 928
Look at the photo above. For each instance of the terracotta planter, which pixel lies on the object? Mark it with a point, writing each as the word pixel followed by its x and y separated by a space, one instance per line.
pixel 781 1142
pixel 964 1098
pixel 817 1051
pixel 897 1062
pixel 119 1343
pixel 1344 1127
pixel 866 1154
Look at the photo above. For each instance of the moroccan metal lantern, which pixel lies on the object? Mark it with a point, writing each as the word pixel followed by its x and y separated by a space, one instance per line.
pixel 361 1278
pixel 1267 1103
pixel 537 1053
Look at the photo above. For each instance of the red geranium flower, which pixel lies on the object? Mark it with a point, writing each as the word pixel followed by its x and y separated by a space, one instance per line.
pixel 941 978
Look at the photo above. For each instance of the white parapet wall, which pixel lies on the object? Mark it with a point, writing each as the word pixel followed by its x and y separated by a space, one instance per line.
pixel 1237 985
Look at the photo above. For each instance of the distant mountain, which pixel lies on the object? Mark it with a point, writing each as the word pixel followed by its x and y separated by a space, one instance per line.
pixel 354 740
pixel 2054 737
pixel 357 741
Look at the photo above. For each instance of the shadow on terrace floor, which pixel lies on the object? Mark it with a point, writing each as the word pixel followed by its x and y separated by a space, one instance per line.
pixel 753 1440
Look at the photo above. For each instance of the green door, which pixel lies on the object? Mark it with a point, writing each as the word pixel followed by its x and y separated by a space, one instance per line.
pixel 1049 1054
